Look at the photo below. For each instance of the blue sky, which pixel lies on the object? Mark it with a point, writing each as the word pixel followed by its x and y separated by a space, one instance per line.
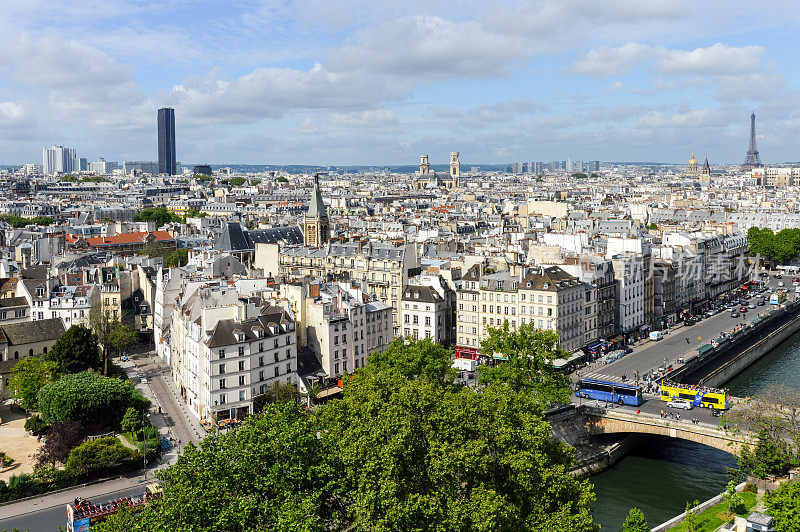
pixel 343 82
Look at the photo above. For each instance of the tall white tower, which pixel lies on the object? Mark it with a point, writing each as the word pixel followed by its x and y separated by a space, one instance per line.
pixel 455 165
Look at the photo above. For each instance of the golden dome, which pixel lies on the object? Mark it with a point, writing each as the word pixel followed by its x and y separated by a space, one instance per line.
pixel 693 160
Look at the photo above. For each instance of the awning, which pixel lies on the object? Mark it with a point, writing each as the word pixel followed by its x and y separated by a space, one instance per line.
pixel 617 338
pixel 595 345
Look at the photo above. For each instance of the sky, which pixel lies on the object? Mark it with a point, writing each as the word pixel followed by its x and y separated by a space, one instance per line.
pixel 379 83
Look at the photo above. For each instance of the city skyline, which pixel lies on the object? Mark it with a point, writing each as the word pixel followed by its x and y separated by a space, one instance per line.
pixel 318 83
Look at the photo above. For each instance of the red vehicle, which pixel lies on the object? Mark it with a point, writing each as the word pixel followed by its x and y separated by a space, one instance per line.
pixel 778 276
pixel 742 309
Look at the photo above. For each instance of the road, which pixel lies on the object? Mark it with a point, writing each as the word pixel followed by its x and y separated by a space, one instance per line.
pixel 653 405
pixel 50 512
pixel 651 354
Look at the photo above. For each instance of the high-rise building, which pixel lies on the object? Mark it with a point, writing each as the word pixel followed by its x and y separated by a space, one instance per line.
pixel 58 159
pixel 166 141
pixel 81 164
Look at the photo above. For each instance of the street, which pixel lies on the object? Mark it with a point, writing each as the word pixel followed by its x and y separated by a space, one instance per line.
pixel 652 354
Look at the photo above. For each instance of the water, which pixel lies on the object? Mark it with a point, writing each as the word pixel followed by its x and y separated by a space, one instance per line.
pixel 663 474
pixel 659 477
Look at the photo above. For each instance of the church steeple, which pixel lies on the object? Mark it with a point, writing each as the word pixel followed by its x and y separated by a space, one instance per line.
pixel 316 227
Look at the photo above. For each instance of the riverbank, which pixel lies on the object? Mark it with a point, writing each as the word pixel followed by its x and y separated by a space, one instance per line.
pixel 595 458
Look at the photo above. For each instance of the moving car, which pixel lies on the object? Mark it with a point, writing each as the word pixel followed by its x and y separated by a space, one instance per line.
pixel 760 303
pixel 734 314
pixel 680 403
pixel 751 306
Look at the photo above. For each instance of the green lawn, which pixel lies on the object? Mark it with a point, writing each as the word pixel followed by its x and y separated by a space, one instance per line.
pixel 715 516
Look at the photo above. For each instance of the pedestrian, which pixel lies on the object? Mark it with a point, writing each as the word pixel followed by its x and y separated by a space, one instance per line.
pixel 687 341
pixel 638 411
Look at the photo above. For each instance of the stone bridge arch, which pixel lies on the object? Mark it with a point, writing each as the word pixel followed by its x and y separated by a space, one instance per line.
pixel 600 421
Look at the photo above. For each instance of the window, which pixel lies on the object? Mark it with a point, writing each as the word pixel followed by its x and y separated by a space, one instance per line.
pixel 289 354
pixel 289 367
pixel 242 395
pixel 260 361
pixel 336 355
pixel 276 356
pixel 260 346
pixel 261 376
pixel 416 319
pixel 336 369
pixel 241 380
pixel 427 320
pixel 406 318
pixel 222 399
pixel 222 369
pixel 289 339
pixel 221 353
pixel 276 342
pixel 241 365
pixel 222 385
pixel 277 371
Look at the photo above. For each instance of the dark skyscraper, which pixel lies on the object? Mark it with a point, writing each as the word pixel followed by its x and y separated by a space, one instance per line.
pixel 166 141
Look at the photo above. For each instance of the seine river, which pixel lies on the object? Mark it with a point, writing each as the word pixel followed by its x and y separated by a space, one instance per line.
pixel 662 474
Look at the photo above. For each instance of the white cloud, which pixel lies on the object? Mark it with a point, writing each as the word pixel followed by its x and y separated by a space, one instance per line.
pixel 275 92
pixel 718 59
pixel 377 119
pixel 606 62
pixel 430 48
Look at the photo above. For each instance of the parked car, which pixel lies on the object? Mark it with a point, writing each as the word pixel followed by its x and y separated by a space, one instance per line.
pixel 717 413
pixel 734 314
pixel 778 276
pixel 760 303
pixel 780 283
pixel 751 306
pixel 680 403
pixel 742 309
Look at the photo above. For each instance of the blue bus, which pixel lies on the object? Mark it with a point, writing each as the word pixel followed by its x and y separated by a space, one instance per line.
pixel 614 392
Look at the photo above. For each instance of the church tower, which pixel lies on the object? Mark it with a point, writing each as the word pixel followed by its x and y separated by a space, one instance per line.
pixel 705 176
pixel 455 165
pixel 316 227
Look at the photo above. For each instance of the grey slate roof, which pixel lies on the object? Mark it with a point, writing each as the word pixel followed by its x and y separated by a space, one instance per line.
pixel 236 239
pixel 316 207
pixel 222 333
pixel 27 332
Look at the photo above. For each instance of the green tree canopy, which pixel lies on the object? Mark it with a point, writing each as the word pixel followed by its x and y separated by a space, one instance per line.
pixel 784 506
pixel 28 376
pixel 89 399
pixel 20 222
pixel 418 455
pixel 415 359
pixel 159 215
pixel 529 367
pixel 272 473
pixel 237 181
pixel 98 455
pixel 76 350
pixel 635 522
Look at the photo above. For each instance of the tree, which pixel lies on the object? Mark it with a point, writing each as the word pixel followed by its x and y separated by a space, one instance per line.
pixel 273 473
pixel 160 215
pixel 692 518
pixel 122 337
pixel 775 411
pixel 416 359
pixel 237 181
pixel 90 399
pixel 179 257
pixel 76 350
pixel 733 499
pixel 131 421
pixel 28 376
pixel 277 393
pixel 652 227
pixel 528 368
pixel 579 175
pixel 61 438
pixel 281 179
pixel 417 454
pixel 42 220
pixel 635 522
pixel 97 455
pixel 784 506
pixel 102 325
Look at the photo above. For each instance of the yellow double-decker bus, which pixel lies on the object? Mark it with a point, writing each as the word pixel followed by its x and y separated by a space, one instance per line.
pixel 697 395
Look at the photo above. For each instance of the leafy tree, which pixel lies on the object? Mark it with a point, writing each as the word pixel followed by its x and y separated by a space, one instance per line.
pixel 529 367
pixel 635 522
pixel 774 412
pixel 76 350
pixel 692 518
pixel 69 178
pixel 784 506
pixel 90 399
pixel 203 178
pixel 237 181
pixel 131 421
pixel 273 473
pixel 652 227
pixel 179 257
pixel 102 325
pixel 733 499
pixel 281 179
pixel 42 220
pixel 62 437
pixel 277 393
pixel 93 179
pixel 28 376
pixel 97 455
pixel 122 337
pixel 417 455
pixel 416 359
pixel 579 175
pixel 160 215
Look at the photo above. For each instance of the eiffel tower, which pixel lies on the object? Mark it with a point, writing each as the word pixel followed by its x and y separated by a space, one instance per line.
pixel 752 160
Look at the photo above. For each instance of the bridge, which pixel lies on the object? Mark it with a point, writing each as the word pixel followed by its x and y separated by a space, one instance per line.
pixel 600 421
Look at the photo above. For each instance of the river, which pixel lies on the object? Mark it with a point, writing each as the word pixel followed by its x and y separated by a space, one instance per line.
pixel 662 474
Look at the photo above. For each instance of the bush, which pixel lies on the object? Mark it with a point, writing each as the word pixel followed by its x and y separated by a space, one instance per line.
pixel 752 488
pixel 89 399
pixel 6 460
pixel 98 455
pixel 36 425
